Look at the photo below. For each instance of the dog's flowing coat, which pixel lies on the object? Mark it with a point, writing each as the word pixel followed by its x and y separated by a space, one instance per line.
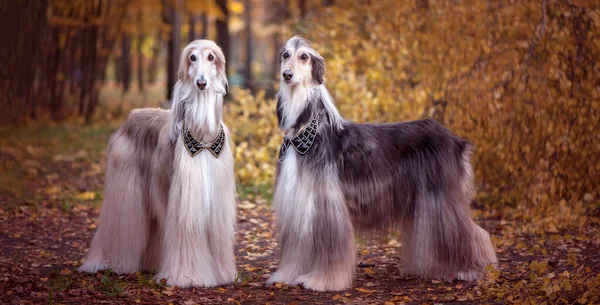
pixel 164 209
pixel 415 176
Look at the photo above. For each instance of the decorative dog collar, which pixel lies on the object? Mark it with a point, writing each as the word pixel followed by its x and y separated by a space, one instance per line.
pixel 302 142
pixel 194 147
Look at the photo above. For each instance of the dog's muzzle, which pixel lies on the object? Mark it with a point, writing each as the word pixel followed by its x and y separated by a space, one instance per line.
pixel 201 82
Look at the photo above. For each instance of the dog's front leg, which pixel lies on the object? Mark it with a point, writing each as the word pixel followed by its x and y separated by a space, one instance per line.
pixel 186 260
pixel 295 240
pixel 333 246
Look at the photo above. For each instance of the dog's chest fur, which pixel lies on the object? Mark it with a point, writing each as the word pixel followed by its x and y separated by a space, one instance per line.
pixel 292 193
pixel 207 183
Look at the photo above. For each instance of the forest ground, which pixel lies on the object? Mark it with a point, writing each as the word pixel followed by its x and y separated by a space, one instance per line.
pixel 50 195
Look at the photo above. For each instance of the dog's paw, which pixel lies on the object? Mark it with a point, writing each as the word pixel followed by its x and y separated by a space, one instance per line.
pixel 228 277
pixel 188 280
pixel 279 277
pixel 470 275
pixel 92 266
pixel 319 283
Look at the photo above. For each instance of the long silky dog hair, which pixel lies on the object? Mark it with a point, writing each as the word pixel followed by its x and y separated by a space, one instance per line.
pixel 164 207
pixel 414 176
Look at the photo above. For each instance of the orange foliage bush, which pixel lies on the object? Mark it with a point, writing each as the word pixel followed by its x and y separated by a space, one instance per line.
pixel 520 79
pixel 257 138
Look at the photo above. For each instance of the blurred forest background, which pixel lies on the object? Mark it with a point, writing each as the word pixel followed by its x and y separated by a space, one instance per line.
pixel 520 79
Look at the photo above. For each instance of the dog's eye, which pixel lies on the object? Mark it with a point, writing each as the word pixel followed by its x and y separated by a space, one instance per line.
pixel 211 57
pixel 286 55
pixel 304 57
pixel 193 57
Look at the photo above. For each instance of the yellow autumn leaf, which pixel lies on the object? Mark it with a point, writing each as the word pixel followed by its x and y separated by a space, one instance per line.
pixel 235 7
pixel 365 290
pixel 51 190
pixel 233 300
pixel 86 196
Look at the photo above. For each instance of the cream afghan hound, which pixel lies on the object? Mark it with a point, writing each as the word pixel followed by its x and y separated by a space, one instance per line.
pixel 169 198
pixel 336 176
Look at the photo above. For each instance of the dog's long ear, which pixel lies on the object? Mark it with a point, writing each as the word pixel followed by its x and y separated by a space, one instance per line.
pixel 177 111
pixel 221 68
pixel 184 63
pixel 318 68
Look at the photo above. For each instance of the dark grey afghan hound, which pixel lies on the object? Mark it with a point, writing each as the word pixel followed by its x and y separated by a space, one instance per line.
pixel 335 176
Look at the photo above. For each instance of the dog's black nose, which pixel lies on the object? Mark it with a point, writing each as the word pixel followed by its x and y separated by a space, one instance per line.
pixel 287 74
pixel 201 83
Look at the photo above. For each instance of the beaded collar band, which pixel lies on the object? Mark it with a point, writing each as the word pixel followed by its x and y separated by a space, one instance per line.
pixel 303 141
pixel 194 147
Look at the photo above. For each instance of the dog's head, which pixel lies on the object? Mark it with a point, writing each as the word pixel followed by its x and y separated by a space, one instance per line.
pixel 300 63
pixel 198 94
pixel 202 65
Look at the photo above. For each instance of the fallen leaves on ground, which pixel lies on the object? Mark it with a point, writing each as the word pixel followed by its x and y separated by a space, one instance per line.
pixel 45 233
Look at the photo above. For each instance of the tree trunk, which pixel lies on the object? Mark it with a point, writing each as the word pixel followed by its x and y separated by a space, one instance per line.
pixel 204 27
pixel 54 81
pixel 49 59
pixel 126 61
pixel 167 18
pixel 302 8
pixel 93 92
pixel 153 65
pixel 192 25
pixel 249 55
pixel 118 70
pixel 175 41
pixel 223 30
pixel 85 63
pixel 172 16
pixel 286 9
pixel 140 66
pixel 140 55
pixel 74 65
pixel 275 63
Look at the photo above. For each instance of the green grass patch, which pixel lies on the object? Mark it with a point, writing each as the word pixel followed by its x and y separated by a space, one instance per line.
pixel 32 155
pixel 57 284
pixel 244 277
pixel 252 192
pixel 147 280
pixel 46 142
pixel 68 202
pixel 111 285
